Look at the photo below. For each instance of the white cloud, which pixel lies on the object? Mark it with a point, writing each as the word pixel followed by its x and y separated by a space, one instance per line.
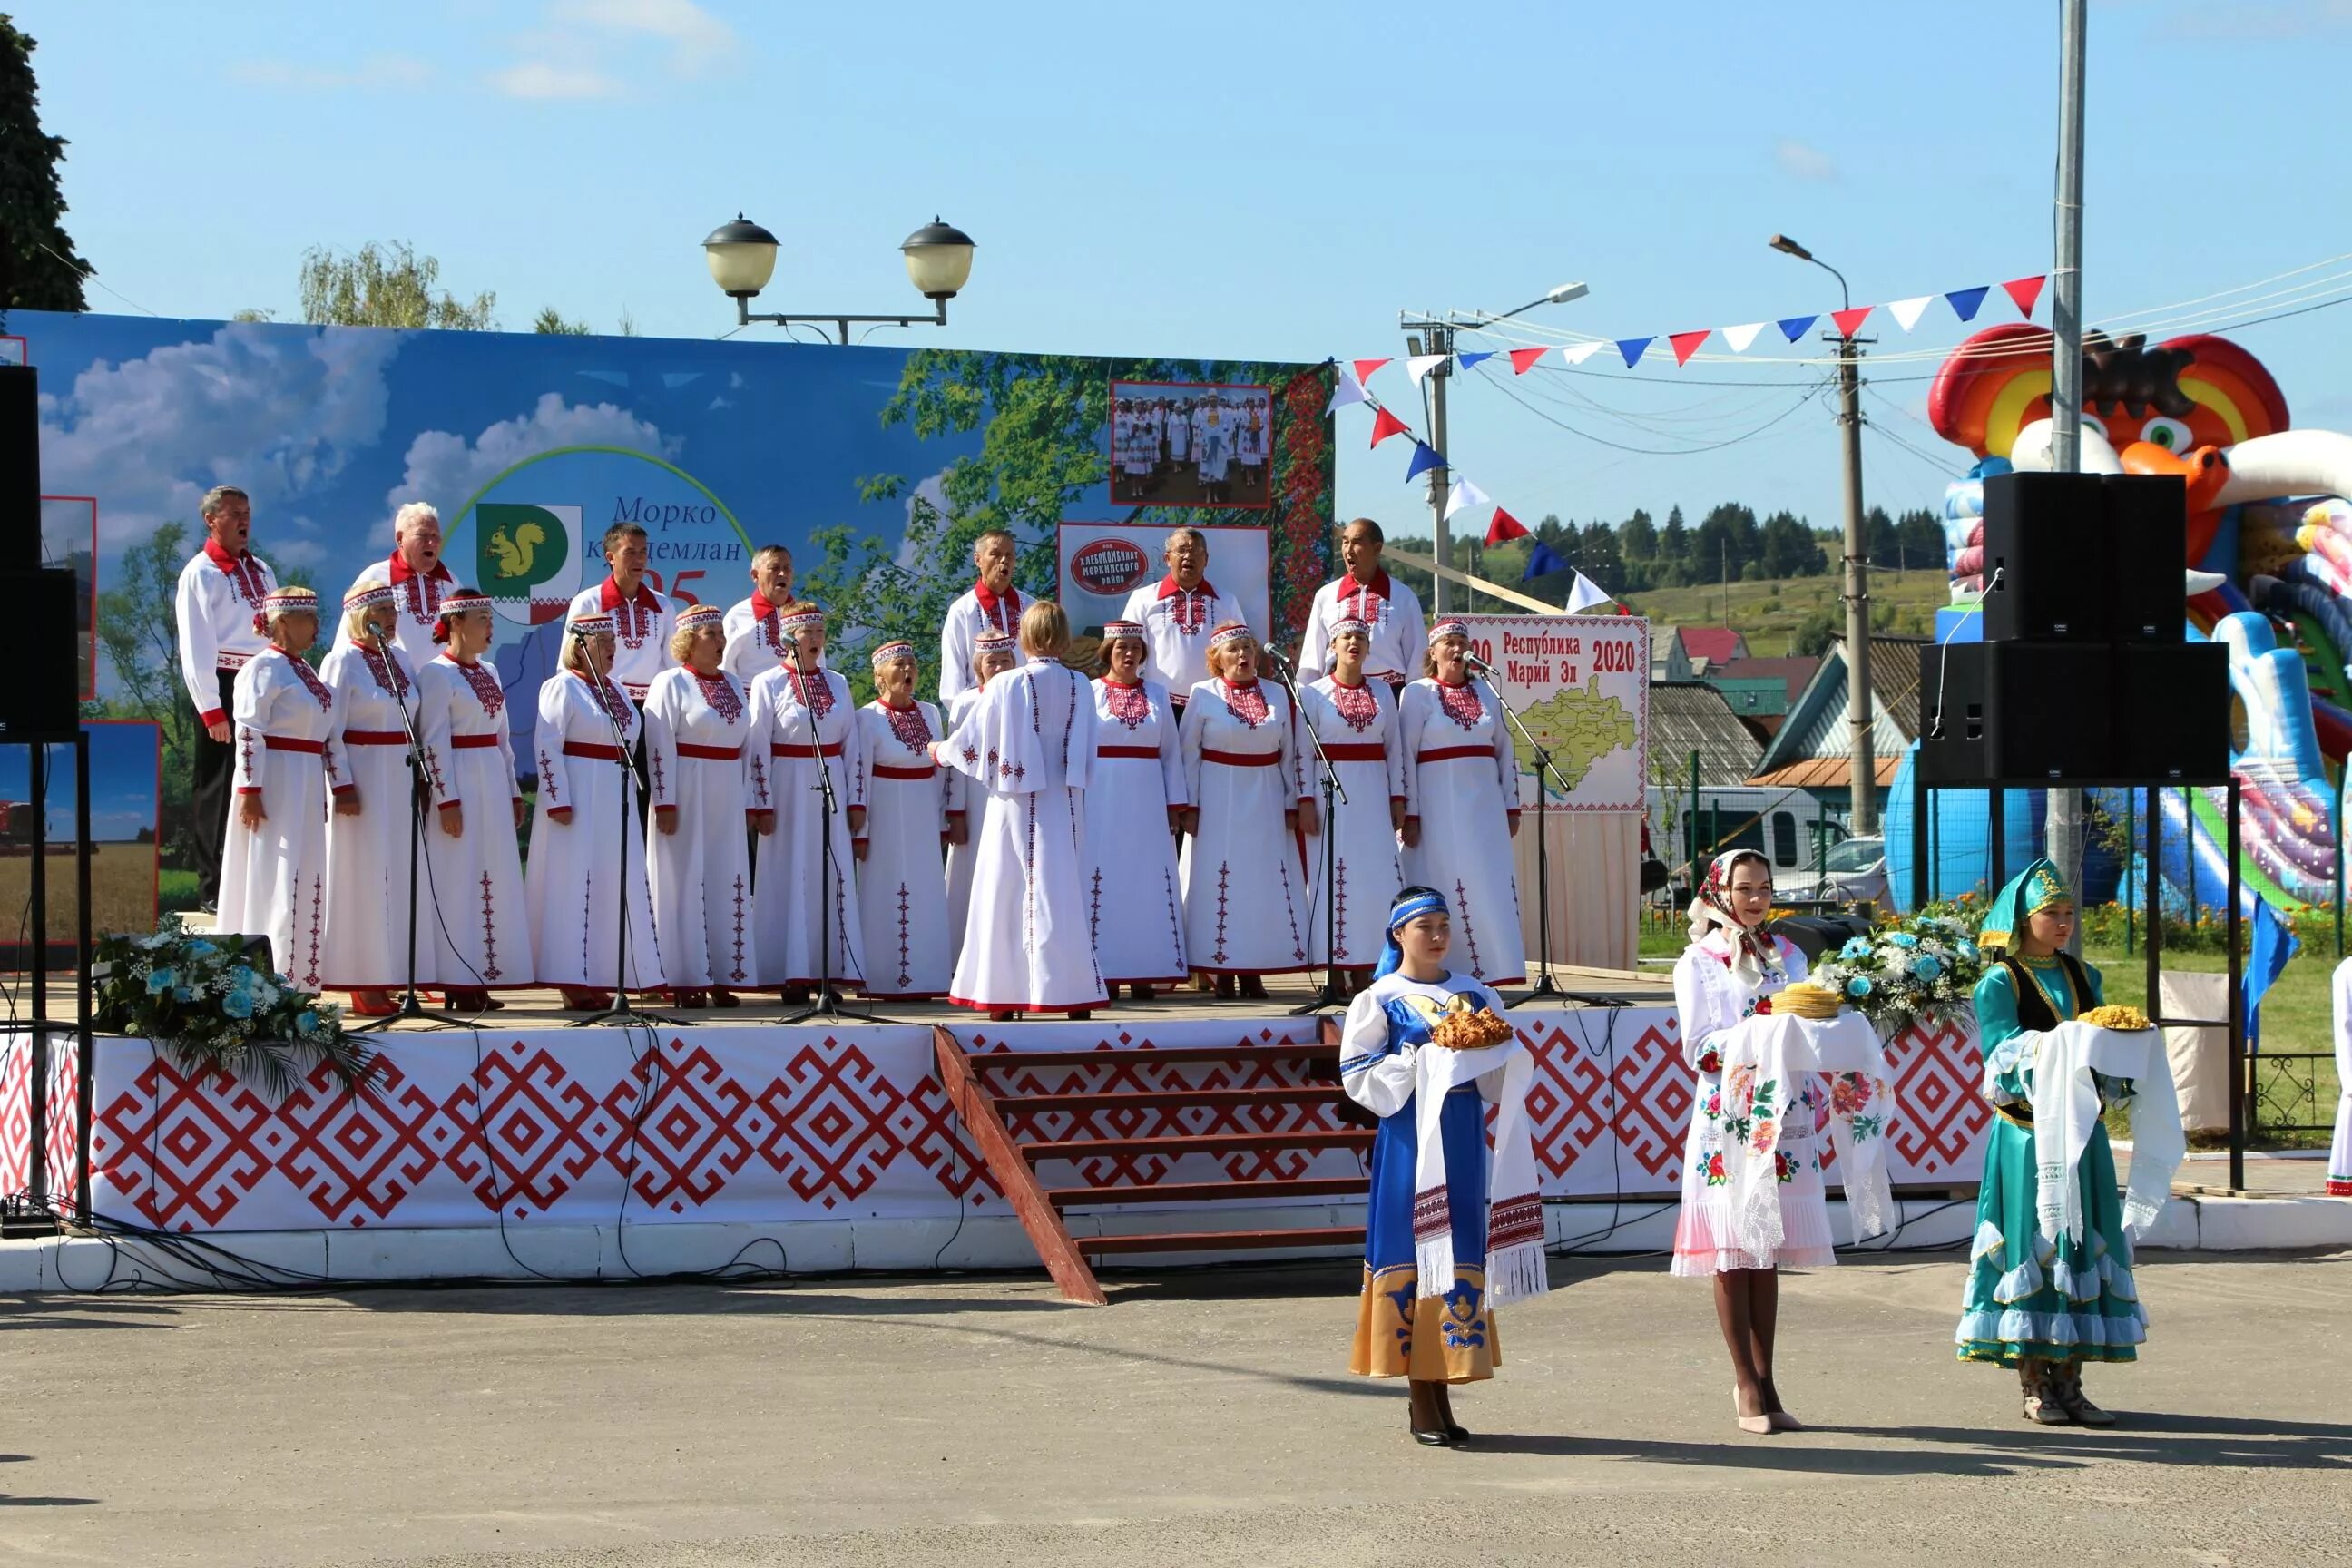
pixel 933 493
pixel 544 80
pixel 1802 161
pixel 446 468
pixel 583 43
pixel 279 412
pixel 698 40
pixel 376 72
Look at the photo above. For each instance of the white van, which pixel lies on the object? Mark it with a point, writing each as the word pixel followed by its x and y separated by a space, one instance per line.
pixel 1789 828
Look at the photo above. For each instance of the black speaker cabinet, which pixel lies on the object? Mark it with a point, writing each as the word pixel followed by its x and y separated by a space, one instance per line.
pixel 2046 562
pixel 44 696
pixel 2020 712
pixel 2147 519
pixel 20 468
pixel 2172 711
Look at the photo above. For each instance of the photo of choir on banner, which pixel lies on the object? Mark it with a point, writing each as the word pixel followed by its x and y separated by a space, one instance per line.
pixel 1182 444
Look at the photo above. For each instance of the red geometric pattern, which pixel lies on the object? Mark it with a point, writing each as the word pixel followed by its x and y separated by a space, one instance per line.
pixel 1568 1102
pixel 1941 1116
pixel 1653 1094
pixel 16 1114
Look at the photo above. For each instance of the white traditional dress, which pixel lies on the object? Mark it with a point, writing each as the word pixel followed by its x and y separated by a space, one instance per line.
pixel 754 644
pixel 274 877
pixel 961 793
pixel 1358 726
pixel 1244 890
pixel 1135 894
pixel 902 889
pixel 367 853
pixel 2339 1153
pixel 591 860
pixel 974 611
pixel 472 932
pixel 1030 742
pixel 1177 622
pixel 709 771
pixel 1386 605
pixel 786 707
pixel 1212 444
pixel 1462 781
pixel 641 627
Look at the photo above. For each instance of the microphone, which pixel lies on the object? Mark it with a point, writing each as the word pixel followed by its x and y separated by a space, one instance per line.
pixel 1475 662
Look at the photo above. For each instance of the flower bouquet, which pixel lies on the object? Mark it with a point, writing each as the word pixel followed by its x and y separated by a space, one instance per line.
pixel 1923 970
pixel 209 1009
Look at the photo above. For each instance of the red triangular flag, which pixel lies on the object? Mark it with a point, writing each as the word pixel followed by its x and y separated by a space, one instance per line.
pixel 1385 425
pixel 2025 291
pixel 1686 343
pixel 1364 368
pixel 1505 526
pixel 1521 359
pixel 1850 322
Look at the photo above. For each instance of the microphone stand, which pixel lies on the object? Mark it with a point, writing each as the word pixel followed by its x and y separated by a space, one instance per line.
pixel 412 1010
pixel 1327 994
pixel 1543 985
pixel 827 1004
pixel 621 1012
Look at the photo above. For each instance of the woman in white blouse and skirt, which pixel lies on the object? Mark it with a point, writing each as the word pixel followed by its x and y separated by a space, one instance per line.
pixel 902 889
pixel 274 859
pixel 476 937
pixel 587 870
pixel 1136 898
pixel 799 709
pixel 1245 887
pixel 368 836
pixel 710 779
pixel 1356 719
pixel 1462 806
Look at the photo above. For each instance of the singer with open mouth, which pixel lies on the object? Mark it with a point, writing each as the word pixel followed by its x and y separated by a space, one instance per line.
pixel 1462 805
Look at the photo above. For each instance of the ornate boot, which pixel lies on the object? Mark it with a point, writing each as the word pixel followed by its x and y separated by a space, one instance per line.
pixel 2068 1380
pixel 2042 1406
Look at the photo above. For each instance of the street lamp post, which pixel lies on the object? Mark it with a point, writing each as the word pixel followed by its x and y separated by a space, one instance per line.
pixel 743 258
pixel 1859 705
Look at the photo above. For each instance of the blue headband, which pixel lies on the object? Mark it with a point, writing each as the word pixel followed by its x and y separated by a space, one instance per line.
pixel 1404 909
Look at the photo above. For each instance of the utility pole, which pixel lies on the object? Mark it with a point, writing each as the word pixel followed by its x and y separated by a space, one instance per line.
pixel 1436 338
pixel 1859 703
pixel 2063 816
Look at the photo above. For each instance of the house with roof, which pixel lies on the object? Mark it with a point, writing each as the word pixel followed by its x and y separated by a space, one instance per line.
pixel 1689 652
pixel 1691 720
pixel 1812 749
pixel 1763 690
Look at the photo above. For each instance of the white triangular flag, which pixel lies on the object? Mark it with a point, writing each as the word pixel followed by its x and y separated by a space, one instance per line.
pixel 1420 365
pixel 1740 337
pixel 1909 311
pixel 1464 494
pixel 1577 353
pixel 1349 390
pixel 1584 593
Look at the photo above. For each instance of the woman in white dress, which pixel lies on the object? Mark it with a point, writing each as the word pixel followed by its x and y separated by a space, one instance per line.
pixel 1462 805
pixel 476 936
pixel 274 859
pixel 902 889
pixel 993 654
pixel 1136 897
pixel 1245 888
pixel 1723 978
pixel 367 837
pixel 587 842
pixel 797 708
pixel 1356 719
pixel 710 779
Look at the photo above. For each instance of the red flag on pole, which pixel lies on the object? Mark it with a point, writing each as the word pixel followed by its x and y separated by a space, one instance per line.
pixel 1850 322
pixel 1521 359
pixel 1385 425
pixel 1505 526
pixel 1686 343
pixel 1364 368
pixel 2026 291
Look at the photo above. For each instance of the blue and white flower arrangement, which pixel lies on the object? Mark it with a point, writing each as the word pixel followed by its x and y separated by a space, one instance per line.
pixel 1923 970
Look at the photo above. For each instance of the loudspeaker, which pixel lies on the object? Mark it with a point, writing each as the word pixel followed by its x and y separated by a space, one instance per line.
pixel 20 468
pixel 43 695
pixel 2047 558
pixel 2172 711
pixel 2019 712
pixel 2147 520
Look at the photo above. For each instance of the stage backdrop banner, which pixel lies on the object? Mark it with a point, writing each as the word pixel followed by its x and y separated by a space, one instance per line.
pixel 1103 563
pixel 1581 686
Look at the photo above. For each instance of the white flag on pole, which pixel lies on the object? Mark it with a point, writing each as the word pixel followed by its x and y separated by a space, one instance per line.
pixel 1464 494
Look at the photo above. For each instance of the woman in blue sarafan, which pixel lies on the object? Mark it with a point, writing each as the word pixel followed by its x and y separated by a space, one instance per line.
pixel 1434 1340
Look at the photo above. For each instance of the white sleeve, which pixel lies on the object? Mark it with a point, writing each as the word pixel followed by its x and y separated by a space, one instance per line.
pixel 432 728
pixel 955 655
pixel 1394 731
pixel 1172 757
pixel 198 652
pixel 1507 761
pixel 252 700
pixel 1195 724
pixel 1315 642
pixel 1377 1077
pixel 1409 722
pixel 661 740
pixel 1695 1006
pixel 554 778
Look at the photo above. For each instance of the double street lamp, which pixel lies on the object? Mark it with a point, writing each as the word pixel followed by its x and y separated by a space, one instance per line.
pixel 743 258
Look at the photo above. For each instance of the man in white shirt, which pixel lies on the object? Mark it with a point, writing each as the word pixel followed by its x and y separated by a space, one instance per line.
pixel 219 594
pixel 642 619
pixel 1366 594
pixel 990 603
pixel 754 647
pixel 1179 612
pixel 419 580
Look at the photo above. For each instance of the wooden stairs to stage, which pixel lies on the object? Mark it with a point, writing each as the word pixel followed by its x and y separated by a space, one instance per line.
pixel 1110 1122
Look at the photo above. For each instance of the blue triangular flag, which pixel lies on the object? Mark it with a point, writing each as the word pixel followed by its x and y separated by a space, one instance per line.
pixel 1541 562
pixel 1424 458
pixel 1633 349
pixel 2272 943
pixel 1467 360
pixel 1795 327
pixel 1966 300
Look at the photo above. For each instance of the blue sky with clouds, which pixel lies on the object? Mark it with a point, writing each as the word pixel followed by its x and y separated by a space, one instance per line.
pixel 1249 181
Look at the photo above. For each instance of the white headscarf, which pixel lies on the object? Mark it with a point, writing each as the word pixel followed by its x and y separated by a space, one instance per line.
pixel 1753 954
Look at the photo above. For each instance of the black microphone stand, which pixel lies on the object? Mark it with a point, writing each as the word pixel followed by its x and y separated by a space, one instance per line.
pixel 827 1004
pixel 1545 773
pixel 412 1010
pixel 621 1012
pixel 1328 995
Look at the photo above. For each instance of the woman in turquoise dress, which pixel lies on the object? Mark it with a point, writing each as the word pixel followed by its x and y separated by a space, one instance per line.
pixel 2040 1306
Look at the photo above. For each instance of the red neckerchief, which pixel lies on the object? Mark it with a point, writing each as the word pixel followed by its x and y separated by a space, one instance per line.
pixel 632 618
pixel 1358 593
pixel 1356 704
pixel 1461 703
pixel 1127 702
pixel 424 590
pixel 318 687
pixel 989 604
pixel 1192 604
pixel 1246 703
pixel 243 571
pixel 914 731
pixel 719 693
pixel 609 696
pixel 485 682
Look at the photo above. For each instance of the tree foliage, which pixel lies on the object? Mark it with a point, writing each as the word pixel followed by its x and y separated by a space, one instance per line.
pixel 385 286
pixel 550 323
pixel 38 268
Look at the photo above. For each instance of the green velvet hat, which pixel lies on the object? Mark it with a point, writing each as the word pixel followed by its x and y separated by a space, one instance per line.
pixel 2031 891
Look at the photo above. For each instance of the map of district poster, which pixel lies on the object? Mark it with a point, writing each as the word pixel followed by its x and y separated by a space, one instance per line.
pixel 1580 684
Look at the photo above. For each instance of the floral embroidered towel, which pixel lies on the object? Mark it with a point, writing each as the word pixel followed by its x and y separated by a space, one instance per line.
pixel 1762 1059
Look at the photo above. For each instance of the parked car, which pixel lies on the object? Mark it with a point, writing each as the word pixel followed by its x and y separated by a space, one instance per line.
pixel 1853 871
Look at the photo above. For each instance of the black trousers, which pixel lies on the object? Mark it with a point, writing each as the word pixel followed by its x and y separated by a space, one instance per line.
pixel 208 795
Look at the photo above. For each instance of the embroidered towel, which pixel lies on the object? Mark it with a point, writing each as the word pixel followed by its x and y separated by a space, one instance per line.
pixel 2066 1108
pixel 1515 1224
pixel 1769 1053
